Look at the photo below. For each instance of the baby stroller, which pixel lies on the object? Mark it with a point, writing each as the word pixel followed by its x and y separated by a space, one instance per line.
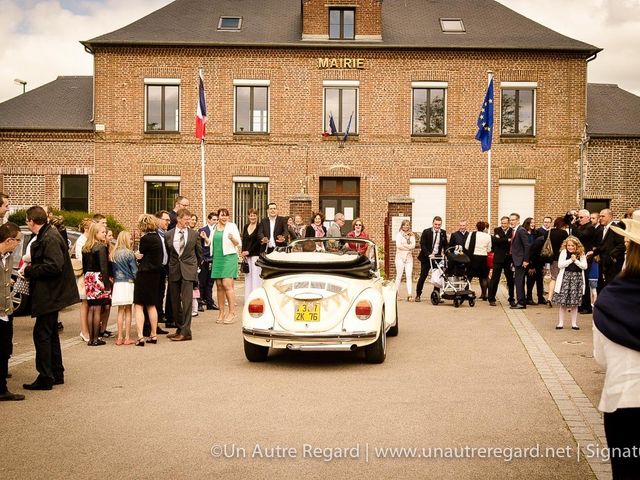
pixel 449 273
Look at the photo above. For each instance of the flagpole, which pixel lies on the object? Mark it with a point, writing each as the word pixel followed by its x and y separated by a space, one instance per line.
pixel 489 77
pixel 202 177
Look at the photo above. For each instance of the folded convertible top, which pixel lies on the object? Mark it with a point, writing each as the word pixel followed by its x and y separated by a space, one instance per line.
pixel 276 264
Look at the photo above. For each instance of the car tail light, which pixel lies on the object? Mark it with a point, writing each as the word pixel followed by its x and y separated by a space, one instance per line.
pixel 256 308
pixel 363 309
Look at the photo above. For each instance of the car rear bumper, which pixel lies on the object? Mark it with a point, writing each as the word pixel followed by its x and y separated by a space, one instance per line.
pixel 310 341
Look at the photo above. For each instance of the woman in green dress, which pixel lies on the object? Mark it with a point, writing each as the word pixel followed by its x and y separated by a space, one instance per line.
pixel 224 240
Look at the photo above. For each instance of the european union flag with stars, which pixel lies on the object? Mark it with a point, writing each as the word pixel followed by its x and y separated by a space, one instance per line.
pixel 485 120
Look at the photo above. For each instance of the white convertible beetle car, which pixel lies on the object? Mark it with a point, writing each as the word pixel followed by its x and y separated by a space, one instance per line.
pixel 321 295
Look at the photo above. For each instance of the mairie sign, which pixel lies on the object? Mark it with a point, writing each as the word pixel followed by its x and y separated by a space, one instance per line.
pixel 344 63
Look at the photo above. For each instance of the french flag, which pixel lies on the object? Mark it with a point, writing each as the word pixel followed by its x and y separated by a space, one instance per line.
pixel 201 112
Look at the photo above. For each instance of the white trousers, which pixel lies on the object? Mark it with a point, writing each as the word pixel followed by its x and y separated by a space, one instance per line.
pixel 407 268
pixel 252 279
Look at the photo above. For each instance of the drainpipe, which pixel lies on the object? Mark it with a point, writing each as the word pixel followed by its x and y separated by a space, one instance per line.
pixel 584 144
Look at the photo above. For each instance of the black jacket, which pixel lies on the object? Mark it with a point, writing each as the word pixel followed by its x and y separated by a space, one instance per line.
pixel 427 242
pixel 280 228
pixel 52 284
pixel 500 244
pixel 610 250
pixel 250 241
pixel 586 234
pixel 458 238
pixel 557 236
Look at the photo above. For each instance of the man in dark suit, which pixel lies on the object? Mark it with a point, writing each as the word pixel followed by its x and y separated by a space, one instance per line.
pixel 52 286
pixel 501 243
pixel 609 249
pixel 585 232
pixel 520 251
pixel 185 254
pixel 432 242
pixel 460 237
pixel 272 230
pixel 205 281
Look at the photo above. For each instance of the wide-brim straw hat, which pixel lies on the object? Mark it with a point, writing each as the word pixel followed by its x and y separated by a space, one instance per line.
pixel 632 232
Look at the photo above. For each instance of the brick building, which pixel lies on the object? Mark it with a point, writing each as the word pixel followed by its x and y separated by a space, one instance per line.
pixel 405 78
pixel 612 170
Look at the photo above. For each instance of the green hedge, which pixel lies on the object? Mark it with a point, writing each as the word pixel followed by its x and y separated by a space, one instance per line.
pixel 72 218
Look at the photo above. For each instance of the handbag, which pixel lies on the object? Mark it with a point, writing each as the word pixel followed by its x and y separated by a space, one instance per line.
pixel 21 286
pixel 546 254
pixel 244 265
pixel 76 264
pixel 490 259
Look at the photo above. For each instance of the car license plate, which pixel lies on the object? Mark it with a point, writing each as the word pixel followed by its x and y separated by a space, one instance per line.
pixel 307 312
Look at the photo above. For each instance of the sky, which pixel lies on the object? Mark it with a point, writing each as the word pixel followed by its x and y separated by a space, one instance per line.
pixel 39 39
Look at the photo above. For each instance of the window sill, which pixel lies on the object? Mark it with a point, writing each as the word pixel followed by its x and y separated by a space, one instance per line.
pixel 429 138
pixel 523 139
pixel 161 132
pixel 338 138
pixel 257 136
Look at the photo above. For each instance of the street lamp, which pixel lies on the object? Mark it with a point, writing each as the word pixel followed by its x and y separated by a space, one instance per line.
pixel 17 81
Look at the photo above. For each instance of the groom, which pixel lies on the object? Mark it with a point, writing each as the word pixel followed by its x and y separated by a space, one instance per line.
pixel 185 254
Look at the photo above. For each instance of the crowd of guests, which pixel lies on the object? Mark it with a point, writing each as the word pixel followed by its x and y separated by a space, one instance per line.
pixel 579 251
pixel 166 274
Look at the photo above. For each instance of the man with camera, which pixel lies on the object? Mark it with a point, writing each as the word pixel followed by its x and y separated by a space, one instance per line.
pixel 584 230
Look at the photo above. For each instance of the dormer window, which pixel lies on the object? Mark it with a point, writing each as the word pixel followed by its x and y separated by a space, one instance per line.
pixel 342 23
pixel 452 25
pixel 230 23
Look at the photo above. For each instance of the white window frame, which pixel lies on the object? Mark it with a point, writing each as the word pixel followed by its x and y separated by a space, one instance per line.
pixel 246 179
pixel 251 83
pixel 355 84
pixel 443 85
pixel 162 82
pixel 521 86
pixel 158 178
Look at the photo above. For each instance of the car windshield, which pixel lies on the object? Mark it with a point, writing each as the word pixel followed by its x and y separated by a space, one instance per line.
pixel 343 255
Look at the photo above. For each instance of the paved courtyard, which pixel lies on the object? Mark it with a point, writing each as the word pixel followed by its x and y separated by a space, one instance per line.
pixel 483 392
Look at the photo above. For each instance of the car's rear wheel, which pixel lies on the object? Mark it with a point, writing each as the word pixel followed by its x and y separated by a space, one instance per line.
pixel 255 353
pixel 393 331
pixel 377 351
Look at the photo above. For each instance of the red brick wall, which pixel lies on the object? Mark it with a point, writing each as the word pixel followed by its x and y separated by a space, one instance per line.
pixel 612 171
pixel 294 155
pixel 383 154
pixel 31 164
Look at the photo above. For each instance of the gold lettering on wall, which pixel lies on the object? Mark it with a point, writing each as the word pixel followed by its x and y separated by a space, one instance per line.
pixel 341 63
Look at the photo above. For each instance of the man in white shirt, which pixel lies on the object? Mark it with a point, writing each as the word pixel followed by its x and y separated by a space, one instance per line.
pixel 609 248
pixel 272 230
